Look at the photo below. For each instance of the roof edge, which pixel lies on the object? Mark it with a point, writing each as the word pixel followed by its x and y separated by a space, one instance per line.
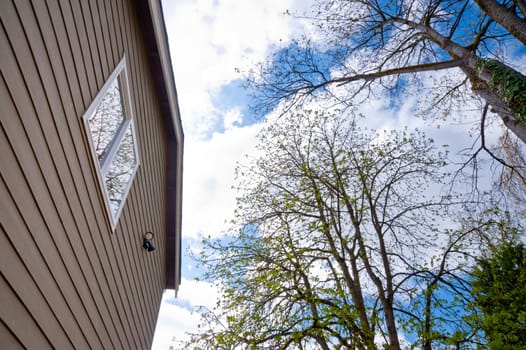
pixel 151 15
pixel 161 37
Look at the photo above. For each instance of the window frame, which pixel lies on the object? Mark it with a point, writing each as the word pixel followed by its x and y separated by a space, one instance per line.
pixel 103 165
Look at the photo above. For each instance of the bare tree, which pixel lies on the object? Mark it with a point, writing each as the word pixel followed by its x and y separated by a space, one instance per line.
pixel 509 14
pixel 383 43
pixel 341 244
pixel 513 179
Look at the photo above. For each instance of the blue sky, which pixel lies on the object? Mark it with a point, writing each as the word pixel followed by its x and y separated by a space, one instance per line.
pixel 210 42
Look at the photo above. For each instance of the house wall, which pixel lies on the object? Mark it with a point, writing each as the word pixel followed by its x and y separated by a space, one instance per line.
pixel 66 280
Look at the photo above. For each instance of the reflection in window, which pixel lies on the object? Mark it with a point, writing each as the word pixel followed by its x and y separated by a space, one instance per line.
pixel 111 132
pixel 121 170
pixel 105 123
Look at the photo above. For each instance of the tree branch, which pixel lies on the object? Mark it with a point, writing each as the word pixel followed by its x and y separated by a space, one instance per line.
pixel 425 67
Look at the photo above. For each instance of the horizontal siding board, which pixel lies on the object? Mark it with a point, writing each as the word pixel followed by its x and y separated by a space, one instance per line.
pixel 134 317
pixel 131 271
pixel 146 281
pixel 109 10
pixel 45 308
pixel 58 221
pixel 151 122
pixel 96 27
pixel 156 198
pixel 118 265
pixel 107 31
pixel 83 16
pixel 131 244
pixel 143 211
pixel 85 248
pixel 136 302
pixel 92 249
pixel 104 250
pixel 15 177
pixel 20 322
pixel 129 293
pixel 87 221
pixel 15 261
pixel 72 70
pixel 9 340
pixel 152 119
pixel 60 60
pixel 137 86
pixel 136 213
pixel 70 246
pixel 104 290
pixel 107 252
pixel 117 14
pixel 129 264
pixel 157 190
pixel 141 302
pixel 59 286
pixel 156 138
pixel 73 26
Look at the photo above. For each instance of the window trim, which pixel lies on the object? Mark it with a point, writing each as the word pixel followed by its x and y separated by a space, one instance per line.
pixel 102 166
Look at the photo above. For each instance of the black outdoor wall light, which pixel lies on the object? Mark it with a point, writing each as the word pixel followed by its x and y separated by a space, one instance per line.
pixel 147 242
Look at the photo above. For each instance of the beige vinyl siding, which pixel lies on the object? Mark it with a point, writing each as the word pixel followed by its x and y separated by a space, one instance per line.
pixel 69 281
pixel 10 341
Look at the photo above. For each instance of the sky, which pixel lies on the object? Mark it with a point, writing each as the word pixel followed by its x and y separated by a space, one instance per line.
pixel 211 43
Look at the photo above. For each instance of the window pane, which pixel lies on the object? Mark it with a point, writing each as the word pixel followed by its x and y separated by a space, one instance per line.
pixel 106 121
pixel 121 170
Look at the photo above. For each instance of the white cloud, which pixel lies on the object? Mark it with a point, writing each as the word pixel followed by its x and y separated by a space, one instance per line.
pixel 176 316
pixel 209 167
pixel 172 324
pixel 209 40
pixel 232 117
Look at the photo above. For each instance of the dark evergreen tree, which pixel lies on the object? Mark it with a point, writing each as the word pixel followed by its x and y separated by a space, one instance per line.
pixel 499 290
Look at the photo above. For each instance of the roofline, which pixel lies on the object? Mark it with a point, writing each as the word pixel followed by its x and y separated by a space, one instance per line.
pixel 150 15
pixel 166 64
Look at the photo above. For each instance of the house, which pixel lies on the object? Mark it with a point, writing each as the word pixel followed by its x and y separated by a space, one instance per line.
pixel 91 152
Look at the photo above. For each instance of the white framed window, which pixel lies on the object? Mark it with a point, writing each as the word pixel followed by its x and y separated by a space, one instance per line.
pixel 111 134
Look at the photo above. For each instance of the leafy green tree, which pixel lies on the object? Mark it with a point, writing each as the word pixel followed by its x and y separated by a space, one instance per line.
pixel 341 245
pixel 391 45
pixel 499 288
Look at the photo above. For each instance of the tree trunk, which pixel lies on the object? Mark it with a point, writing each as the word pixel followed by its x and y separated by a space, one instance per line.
pixel 490 80
pixel 353 285
pixel 391 324
pixel 426 336
pixel 505 17
pixel 501 86
pixel 387 300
